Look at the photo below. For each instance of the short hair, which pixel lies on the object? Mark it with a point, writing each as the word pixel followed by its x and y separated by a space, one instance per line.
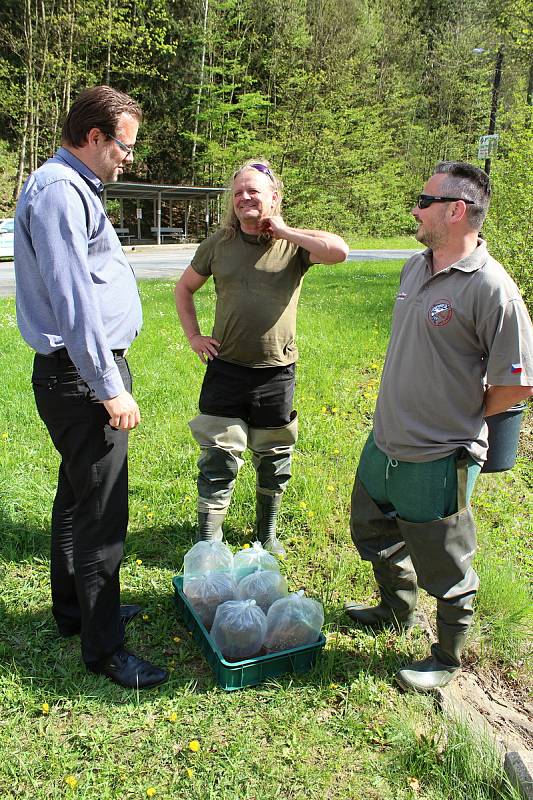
pixel 230 224
pixel 97 107
pixel 472 183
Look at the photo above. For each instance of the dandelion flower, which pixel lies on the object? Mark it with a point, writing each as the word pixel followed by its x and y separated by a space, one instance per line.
pixel 310 513
pixel 336 451
pixel 173 717
pixel 190 772
pixel 45 708
pixel 303 504
pixel 330 488
pixel 334 410
pixel 324 410
pixel 5 435
pixel 150 515
pixel 146 617
pixel 139 561
pixel 194 746
pixel 246 546
pixel 71 781
pixel 150 792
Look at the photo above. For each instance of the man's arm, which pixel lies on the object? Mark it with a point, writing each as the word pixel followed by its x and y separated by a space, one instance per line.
pixel 188 284
pixel 500 398
pixel 323 247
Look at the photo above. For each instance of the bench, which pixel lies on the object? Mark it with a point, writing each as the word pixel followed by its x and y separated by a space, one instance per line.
pixel 124 234
pixel 169 233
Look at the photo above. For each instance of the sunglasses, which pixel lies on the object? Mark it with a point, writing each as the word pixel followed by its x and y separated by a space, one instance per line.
pixel 425 200
pixel 127 149
pixel 260 168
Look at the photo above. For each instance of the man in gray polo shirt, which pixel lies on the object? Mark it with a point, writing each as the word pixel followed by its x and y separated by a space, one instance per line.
pixel 461 349
pixel 78 307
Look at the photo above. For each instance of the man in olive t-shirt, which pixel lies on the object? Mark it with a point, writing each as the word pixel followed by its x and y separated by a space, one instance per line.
pixel 461 349
pixel 257 263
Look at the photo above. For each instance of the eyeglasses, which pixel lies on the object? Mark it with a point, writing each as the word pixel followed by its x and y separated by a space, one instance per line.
pixel 260 168
pixel 425 200
pixel 122 146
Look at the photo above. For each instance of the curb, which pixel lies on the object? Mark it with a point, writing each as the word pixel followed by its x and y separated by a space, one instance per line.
pixel 518 767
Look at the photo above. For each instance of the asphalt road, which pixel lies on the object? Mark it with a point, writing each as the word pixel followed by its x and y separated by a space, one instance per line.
pixel 169 261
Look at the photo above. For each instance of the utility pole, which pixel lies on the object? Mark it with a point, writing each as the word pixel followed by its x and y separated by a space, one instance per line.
pixel 495 94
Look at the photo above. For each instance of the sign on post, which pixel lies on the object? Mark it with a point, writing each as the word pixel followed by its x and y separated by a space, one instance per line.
pixel 488 145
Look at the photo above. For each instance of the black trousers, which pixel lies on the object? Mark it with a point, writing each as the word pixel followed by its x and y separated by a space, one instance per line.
pixel 262 397
pixel 90 510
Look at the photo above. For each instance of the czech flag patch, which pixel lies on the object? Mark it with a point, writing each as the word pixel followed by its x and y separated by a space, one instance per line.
pixel 516 369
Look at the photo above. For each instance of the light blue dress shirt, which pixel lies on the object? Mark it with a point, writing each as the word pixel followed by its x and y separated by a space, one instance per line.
pixel 75 288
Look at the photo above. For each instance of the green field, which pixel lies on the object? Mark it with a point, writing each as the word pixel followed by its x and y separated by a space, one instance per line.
pixel 342 730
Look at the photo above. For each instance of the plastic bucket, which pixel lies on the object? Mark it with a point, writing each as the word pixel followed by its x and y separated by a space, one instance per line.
pixel 504 432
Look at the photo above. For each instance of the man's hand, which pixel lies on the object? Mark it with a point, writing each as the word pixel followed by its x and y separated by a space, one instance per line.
pixel 123 411
pixel 204 346
pixel 275 227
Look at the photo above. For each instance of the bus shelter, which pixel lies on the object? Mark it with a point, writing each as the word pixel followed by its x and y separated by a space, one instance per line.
pixel 161 195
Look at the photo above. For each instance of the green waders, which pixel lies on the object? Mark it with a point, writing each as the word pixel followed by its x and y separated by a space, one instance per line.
pixel 272 450
pixel 223 440
pixel 435 554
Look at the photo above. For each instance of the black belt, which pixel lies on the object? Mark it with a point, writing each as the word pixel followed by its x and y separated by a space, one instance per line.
pixel 62 354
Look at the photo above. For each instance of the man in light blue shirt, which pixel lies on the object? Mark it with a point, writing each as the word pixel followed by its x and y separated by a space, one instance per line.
pixel 78 307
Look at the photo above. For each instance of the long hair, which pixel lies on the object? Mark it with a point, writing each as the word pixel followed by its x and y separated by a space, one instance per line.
pixel 230 224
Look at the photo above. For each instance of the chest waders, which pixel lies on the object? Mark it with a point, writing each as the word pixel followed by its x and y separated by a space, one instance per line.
pixel 223 441
pixel 435 555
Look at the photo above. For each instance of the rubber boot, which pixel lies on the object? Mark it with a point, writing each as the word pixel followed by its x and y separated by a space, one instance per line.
pixel 440 667
pixel 210 526
pixel 398 589
pixel 266 512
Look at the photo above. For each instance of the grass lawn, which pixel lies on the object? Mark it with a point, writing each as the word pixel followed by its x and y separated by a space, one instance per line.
pixel 340 731
pixel 383 243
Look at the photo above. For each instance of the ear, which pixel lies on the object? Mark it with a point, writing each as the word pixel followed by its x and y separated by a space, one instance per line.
pixel 459 211
pixel 94 136
pixel 275 198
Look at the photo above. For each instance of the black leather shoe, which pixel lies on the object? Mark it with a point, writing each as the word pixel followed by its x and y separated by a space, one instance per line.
pixel 127 613
pixel 128 670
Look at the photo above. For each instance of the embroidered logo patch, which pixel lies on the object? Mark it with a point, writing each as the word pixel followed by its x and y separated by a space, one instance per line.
pixel 401 296
pixel 440 313
pixel 516 369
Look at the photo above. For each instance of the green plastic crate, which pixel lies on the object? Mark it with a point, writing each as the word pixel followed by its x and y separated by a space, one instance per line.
pixel 231 675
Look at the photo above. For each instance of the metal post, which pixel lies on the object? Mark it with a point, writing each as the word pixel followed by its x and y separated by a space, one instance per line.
pixel 159 218
pixel 495 94
pixel 138 221
pixel 207 215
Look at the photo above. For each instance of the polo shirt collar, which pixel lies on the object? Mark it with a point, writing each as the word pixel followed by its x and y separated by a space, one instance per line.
pixel 470 263
pixel 80 167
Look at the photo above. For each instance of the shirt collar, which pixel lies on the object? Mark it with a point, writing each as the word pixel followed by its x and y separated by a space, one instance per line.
pixel 469 263
pixel 80 167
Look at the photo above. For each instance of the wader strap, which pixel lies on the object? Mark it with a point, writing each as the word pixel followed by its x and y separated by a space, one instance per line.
pixel 462 481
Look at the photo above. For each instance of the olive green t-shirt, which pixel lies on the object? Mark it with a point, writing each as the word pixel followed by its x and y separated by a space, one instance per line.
pixel 257 286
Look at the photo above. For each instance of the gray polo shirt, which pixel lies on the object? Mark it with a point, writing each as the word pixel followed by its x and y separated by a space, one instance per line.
pixel 74 286
pixel 452 333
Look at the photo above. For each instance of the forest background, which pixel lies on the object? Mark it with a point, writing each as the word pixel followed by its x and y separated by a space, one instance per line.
pixel 353 101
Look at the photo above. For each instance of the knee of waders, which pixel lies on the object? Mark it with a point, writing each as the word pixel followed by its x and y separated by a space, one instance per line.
pixel 272 450
pixel 374 532
pixel 442 551
pixel 228 434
